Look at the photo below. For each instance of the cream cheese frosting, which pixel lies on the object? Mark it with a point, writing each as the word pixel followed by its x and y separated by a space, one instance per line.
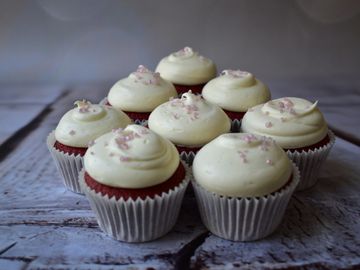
pixel 236 90
pixel 189 121
pixel 134 157
pixel 186 67
pixel 142 91
pixel 83 124
pixel 292 122
pixel 242 165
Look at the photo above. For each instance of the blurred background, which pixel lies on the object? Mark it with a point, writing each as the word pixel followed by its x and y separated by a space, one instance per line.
pixel 81 42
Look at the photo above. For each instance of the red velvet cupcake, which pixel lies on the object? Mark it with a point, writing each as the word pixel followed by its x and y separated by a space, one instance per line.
pixel 135 183
pixel 298 126
pixel 140 93
pixel 76 129
pixel 189 122
pixel 187 69
pixel 236 91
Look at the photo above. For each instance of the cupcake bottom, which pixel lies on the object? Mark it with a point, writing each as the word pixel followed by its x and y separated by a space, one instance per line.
pixel 70 149
pixel 244 219
pixel 310 160
pixel 137 220
pixel 68 164
pixel 196 89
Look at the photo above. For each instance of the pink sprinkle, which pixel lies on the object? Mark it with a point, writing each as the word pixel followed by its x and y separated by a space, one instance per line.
pixel 144 131
pixel 268 124
pixel 265 143
pixel 250 138
pixel 72 132
pixel 125 159
pixel 270 162
pixel 242 156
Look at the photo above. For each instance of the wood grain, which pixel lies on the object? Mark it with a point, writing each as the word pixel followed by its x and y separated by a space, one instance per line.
pixel 44 226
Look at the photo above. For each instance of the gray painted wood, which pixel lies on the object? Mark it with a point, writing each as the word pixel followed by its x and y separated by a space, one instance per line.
pixel 42 225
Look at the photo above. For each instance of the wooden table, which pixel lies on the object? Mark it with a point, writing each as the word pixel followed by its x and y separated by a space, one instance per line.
pixel 43 226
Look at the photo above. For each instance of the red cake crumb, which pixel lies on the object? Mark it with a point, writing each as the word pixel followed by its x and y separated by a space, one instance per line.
pixel 70 149
pixel 132 193
pixel 196 89
pixel 234 115
pixel 323 142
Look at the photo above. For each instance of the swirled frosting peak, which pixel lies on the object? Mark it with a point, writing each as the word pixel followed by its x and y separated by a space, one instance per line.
pixel 86 122
pixel 189 121
pixel 187 67
pixel 141 91
pixel 236 90
pixel 242 165
pixel 134 157
pixel 292 122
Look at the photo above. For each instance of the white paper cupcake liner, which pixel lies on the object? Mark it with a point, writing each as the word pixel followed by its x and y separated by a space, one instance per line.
pixel 141 220
pixel 188 157
pixel 235 125
pixel 310 162
pixel 244 219
pixel 69 166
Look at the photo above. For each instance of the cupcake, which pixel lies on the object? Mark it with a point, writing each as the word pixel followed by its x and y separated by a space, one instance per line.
pixel 76 130
pixel 189 122
pixel 187 69
pixel 135 183
pixel 243 183
pixel 140 93
pixel 236 91
pixel 298 126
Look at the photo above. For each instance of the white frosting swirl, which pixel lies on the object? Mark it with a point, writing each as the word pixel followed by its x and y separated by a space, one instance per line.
pixel 186 67
pixel 292 122
pixel 236 90
pixel 189 121
pixel 241 165
pixel 88 121
pixel 134 157
pixel 142 91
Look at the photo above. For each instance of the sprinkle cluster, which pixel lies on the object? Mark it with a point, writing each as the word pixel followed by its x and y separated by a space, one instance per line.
pixel 146 76
pixel 235 73
pixel 287 106
pixel 187 51
pixel 190 109
pixel 83 106
pixel 266 143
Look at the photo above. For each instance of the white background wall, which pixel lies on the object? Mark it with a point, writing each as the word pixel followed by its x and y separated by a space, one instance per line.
pixel 78 41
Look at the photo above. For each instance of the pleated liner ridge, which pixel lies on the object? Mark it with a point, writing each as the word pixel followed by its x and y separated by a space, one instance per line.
pixel 139 220
pixel 310 162
pixel 244 219
pixel 69 166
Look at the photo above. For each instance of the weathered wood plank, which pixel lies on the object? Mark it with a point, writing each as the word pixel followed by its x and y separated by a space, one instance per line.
pixel 75 239
pixel 19 106
pixel 29 94
pixel 320 228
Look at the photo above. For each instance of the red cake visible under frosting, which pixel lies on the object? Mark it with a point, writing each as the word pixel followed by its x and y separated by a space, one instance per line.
pixel 126 193
pixel 196 89
pixel 70 149
pixel 323 142
pixel 234 115
pixel 135 115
